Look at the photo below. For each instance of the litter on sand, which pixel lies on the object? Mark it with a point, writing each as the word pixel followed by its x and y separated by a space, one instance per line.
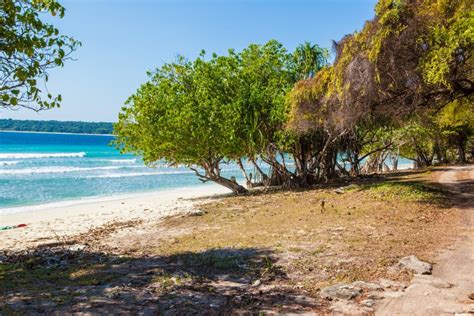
pixel 11 227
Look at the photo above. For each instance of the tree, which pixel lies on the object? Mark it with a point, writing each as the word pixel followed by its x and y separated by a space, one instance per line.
pixel 367 146
pixel 264 77
pixel 308 59
pixel 208 112
pixel 456 123
pixel 413 56
pixel 29 47
pixel 268 72
pixel 438 135
pixel 186 114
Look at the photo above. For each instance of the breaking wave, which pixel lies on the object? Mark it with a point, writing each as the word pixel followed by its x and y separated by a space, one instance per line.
pixel 127 161
pixel 53 170
pixel 135 174
pixel 40 155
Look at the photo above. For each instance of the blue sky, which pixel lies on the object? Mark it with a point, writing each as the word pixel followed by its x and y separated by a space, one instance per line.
pixel 122 39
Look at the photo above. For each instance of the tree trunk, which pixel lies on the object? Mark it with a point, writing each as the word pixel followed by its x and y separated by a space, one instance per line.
pixel 241 166
pixel 355 164
pixel 212 173
pixel 232 185
pixel 248 178
pixel 461 153
pixel 422 162
pixel 259 170
pixel 394 157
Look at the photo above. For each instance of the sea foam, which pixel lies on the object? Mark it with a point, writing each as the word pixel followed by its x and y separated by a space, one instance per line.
pixel 127 161
pixel 135 174
pixel 59 169
pixel 40 155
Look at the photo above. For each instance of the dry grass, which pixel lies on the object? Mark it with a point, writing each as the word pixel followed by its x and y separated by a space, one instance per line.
pixel 356 236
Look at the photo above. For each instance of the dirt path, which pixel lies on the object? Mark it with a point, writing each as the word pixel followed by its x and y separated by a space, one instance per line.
pixel 447 291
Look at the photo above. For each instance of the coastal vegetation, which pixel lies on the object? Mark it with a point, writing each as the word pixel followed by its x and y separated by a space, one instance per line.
pixel 402 86
pixel 29 48
pixel 206 112
pixel 56 126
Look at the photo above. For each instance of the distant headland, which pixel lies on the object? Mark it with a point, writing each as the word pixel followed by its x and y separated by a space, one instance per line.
pixel 73 127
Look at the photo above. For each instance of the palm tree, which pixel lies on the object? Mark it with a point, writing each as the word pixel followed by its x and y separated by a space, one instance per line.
pixel 308 59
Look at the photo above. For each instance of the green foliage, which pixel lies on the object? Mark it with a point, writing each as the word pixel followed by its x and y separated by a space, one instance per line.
pixel 207 111
pixel 412 54
pixel 443 134
pixel 375 137
pixel 451 32
pixel 456 125
pixel 302 97
pixel 416 138
pixel 185 114
pixel 457 114
pixel 56 126
pixel 264 77
pixel 308 59
pixel 29 48
pixel 401 191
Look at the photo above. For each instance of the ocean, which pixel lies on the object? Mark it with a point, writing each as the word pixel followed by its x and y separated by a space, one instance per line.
pixel 43 168
pixel 38 169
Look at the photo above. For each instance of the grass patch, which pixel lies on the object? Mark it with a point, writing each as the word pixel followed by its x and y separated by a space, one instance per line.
pixel 36 279
pixel 213 260
pixel 404 191
pixel 167 281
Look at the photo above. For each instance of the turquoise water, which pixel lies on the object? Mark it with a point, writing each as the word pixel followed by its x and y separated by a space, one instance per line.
pixel 40 168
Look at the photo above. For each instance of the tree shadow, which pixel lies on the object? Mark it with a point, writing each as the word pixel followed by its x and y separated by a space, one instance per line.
pixel 216 281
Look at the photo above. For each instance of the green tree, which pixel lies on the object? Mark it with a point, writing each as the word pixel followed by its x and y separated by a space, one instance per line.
pixel 267 74
pixel 264 79
pixel 208 112
pixel 186 114
pixel 456 123
pixel 29 47
pixel 308 59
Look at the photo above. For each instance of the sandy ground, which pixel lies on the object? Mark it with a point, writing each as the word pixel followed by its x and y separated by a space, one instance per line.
pixel 53 224
pixel 447 291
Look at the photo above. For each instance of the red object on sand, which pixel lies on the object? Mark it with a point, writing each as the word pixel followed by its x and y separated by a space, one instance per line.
pixel 21 225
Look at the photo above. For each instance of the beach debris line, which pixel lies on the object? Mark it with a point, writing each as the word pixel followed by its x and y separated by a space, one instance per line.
pixel 7 227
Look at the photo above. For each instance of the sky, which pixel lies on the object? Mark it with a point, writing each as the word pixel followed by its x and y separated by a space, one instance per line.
pixel 123 39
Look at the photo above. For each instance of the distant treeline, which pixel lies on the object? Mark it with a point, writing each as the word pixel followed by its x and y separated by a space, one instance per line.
pixel 56 126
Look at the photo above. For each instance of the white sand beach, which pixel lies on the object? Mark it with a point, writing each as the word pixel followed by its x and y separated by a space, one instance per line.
pixel 52 223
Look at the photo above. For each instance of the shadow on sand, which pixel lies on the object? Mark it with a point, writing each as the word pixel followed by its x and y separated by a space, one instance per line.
pixel 64 279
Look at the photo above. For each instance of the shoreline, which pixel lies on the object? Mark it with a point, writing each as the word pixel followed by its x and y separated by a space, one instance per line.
pixel 60 133
pixel 50 223
pixel 20 209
